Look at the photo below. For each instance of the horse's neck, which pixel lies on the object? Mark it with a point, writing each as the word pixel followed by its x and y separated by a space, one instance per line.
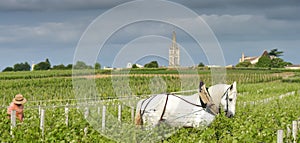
pixel 217 92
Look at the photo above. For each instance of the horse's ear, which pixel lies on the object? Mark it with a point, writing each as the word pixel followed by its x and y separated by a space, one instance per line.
pixel 233 86
pixel 201 84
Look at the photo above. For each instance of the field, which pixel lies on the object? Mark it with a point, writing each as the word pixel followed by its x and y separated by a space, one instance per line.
pixel 260 111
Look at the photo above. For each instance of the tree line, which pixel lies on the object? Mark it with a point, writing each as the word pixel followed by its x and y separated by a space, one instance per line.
pixel 46 65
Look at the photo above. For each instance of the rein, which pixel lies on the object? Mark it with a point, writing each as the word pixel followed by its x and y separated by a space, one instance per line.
pixel 142 113
pixel 226 93
pixel 197 105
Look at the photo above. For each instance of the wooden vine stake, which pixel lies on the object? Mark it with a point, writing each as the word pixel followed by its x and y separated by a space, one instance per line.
pixel 13 122
pixel 39 110
pixel 98 111
pixel 295 130
pixel 86 112
pixel 280 136
pixel 42 121
pixel 119 113
pixel 85 130
pixel 103 117
pixel 67 115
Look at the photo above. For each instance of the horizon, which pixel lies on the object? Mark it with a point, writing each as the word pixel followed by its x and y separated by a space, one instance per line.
pixel 38 30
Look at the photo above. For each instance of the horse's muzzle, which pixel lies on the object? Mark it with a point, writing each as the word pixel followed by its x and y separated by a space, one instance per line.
pixel 229 114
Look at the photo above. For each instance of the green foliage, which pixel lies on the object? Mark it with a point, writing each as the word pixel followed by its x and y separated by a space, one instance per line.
pixel 252 123
pixel 22 67
pixel 152 64
pixel 43 65
pixel 279 63
pixel 8 69
pixel 267 62
pixel 201 64
pixel 244 64
pixel 97 66
pixel 62 67
pixel 264 61
pixel 272 61
pixel 81 65
pixel 59 67
pixel 275 52
pixel 134 66
pixel 69 66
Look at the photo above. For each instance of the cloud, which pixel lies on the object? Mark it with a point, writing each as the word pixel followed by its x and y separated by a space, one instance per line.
pixel 251 27
pixel 56 32
pixel 287 9
pixel 42 5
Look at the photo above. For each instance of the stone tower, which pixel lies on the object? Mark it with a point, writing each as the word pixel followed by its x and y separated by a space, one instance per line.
pixel 174 53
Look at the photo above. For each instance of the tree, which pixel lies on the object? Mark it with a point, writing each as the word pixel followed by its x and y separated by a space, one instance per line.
pixel 81 65
pixel 97 66
pixel 264 61
pixel 134 66
pixel 43 65
pixel 22 67
pixel 152 64
pixel 8 69
pixel 244 64
pixel 279 63
pixel 48 62
pixel 69 66
pixel 201 64
pixel 59 67
pixel 275 52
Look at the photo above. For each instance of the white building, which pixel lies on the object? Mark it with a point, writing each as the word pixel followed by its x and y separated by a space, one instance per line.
pixel 253 60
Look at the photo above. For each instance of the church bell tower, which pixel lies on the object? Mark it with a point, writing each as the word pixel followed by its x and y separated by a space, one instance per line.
pixel 174 53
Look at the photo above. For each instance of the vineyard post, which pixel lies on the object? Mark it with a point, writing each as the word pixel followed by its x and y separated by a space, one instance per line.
pixel 42 121
pixel 119 112
pixel 39 109
pixel 98 111
pixel 67 114
pixel 13 121
pixel 86 112
pixel 295 130
pixel 103 117
pixel 280 136
pixel 85 130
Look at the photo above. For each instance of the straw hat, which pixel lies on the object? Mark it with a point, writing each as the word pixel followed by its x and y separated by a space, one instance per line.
pixel 19 99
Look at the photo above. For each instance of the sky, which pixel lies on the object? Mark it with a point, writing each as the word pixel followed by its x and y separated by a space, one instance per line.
pixel 31 31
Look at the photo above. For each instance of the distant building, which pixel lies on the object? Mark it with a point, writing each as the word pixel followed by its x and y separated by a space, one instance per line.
pixel 254 60
pixel 129 65
pixel 293 67
pixel 174 53
pixel 32 67
pixel 108 68
pixel 139 66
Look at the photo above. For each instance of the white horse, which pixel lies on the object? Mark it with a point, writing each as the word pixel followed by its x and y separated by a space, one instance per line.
pixel 187 111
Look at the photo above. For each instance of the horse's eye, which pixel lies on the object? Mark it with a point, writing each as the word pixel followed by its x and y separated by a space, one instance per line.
pixel 230 99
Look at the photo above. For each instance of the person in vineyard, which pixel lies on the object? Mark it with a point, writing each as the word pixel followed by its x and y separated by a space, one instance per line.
pixel 18 105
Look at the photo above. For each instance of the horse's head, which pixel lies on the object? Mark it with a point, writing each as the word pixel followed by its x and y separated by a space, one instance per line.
pixel 228 100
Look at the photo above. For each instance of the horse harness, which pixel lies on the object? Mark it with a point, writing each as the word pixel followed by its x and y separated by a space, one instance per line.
pixel 197 105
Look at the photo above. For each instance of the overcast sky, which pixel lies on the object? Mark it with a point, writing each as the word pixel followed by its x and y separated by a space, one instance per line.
pixel 31 31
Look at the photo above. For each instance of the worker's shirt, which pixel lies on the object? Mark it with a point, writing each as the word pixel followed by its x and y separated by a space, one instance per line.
pixel 18 109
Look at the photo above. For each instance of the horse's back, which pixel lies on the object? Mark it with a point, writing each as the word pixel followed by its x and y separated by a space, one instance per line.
pixel 187 111
pixel 176 110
